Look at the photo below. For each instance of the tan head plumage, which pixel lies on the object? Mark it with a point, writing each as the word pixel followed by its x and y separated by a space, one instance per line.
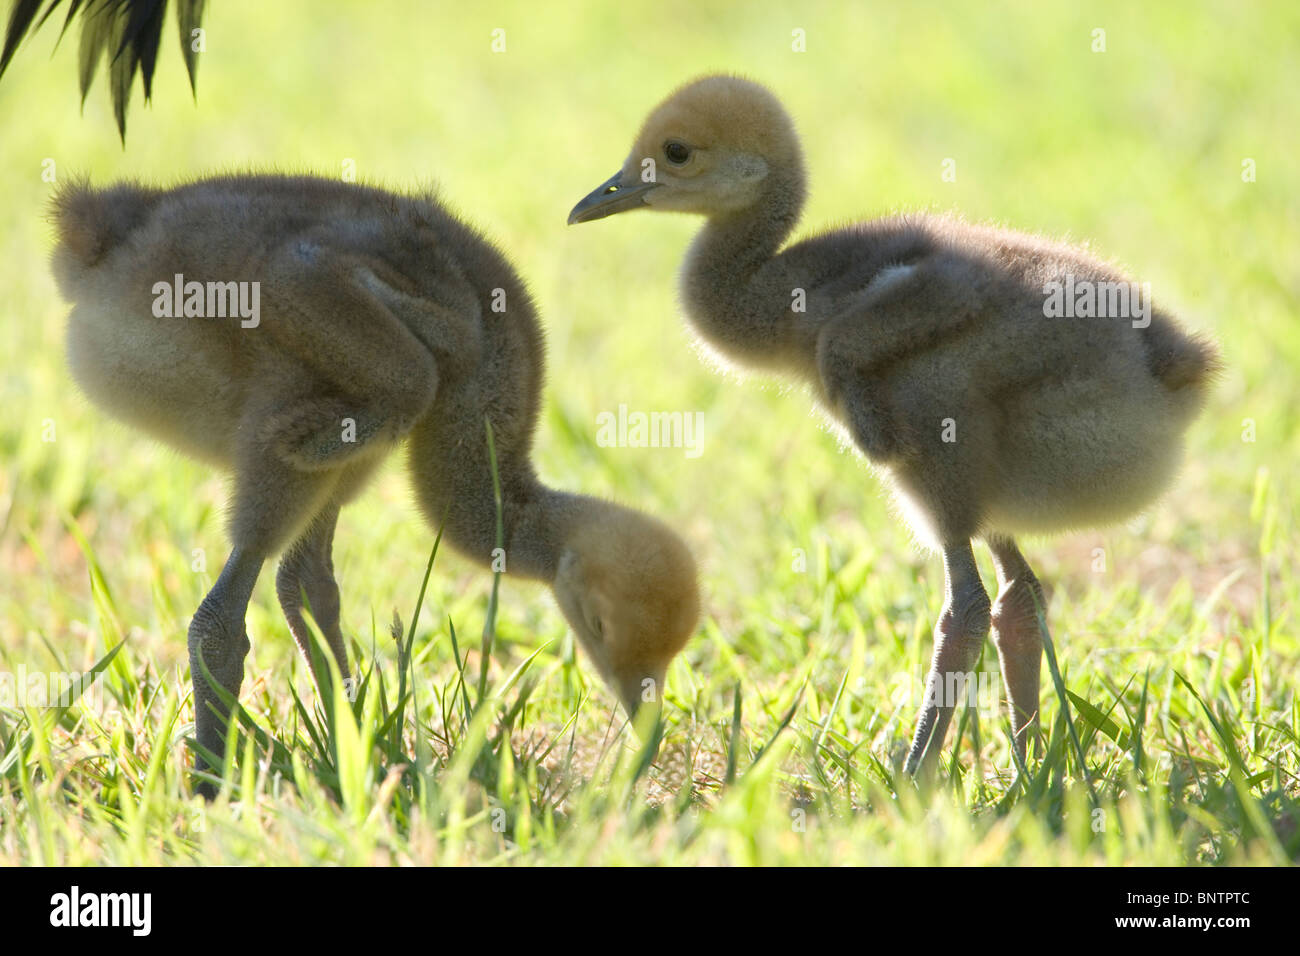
pixel 708 148
pixel 627 585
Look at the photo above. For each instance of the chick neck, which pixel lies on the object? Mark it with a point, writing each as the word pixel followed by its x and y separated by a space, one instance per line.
pixel 738 297
pixel 453 481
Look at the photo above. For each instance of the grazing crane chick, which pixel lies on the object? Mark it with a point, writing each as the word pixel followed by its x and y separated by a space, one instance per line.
pixel 294 330
pixel 943 350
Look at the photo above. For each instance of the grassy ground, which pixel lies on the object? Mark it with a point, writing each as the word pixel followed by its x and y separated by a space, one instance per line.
pixel 1177 634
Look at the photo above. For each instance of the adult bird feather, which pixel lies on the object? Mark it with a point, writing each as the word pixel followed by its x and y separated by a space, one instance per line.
pixel 128 31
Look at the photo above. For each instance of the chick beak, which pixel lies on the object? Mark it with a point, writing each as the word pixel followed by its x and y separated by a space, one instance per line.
pixel 643 695
pixel 645 720
pixel 610 197
pixel 631 704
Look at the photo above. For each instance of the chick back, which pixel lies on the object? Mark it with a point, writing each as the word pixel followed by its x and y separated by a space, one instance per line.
pixel 91 222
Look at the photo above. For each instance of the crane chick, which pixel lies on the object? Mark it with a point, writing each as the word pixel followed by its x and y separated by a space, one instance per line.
pixel 1001 383
pixel 294 331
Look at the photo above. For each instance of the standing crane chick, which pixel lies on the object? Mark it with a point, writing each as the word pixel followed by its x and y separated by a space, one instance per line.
pixel 941 349
pixel 294 330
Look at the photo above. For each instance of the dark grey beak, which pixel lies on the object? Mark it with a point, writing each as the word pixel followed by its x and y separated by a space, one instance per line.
pixel 608 198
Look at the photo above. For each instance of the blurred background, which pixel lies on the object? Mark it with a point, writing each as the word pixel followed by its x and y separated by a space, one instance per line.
pixel 1137 151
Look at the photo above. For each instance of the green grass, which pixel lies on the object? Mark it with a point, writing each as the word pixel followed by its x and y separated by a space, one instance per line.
pixel 1176 636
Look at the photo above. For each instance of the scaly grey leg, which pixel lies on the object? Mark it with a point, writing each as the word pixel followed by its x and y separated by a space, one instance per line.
pixel 958 638
pixel 307 568
pixel 217 634
pixel 1018 638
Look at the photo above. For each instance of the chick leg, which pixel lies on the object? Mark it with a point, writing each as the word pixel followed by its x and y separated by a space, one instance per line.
pixel 1018 637
pixel 271 502
pixel 958 637
pixel 217 638
pixel 307 569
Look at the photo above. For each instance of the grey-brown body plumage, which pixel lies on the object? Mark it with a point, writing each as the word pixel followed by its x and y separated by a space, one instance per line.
pixel 200 383
pixel 915 321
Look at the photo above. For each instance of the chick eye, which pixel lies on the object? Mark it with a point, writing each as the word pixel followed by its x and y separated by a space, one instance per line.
pixel 677 153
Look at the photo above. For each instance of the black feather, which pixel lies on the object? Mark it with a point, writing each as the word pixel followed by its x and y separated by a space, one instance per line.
pixel 67 21
pixel 189 16
pixel 143 34
pixel 131 32
pixel 96 24
pixel 20 18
